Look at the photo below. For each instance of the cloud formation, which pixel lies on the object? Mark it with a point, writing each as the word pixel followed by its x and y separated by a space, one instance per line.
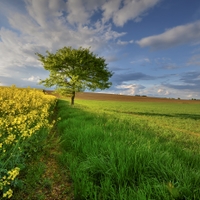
pixel 120 78
pixel 32 79
pixel 176 36
pixel 122 11
pixel 124 42
pixel 46 25
pixel 189 81
pixel 37 26
pixel 30 26
pixel 132 89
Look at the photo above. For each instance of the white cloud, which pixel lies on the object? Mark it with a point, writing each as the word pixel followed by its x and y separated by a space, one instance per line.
pixel 84 8
pixel 32 79
pixel 77 12
pixel 109 8
pixel 120 42
pixel 166 92
pixel 132 9
pixel 45 11
pixel 163 92
pixel 119 11
pixel 11 49
pixel 154 91
pixel 46 25
pixel 176 36
pixel 122 11
pixel 42 26
pixel 129 89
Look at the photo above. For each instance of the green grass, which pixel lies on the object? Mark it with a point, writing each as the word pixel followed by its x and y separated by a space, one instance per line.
pixel 184 116
pixel 116 150
pixel 120 150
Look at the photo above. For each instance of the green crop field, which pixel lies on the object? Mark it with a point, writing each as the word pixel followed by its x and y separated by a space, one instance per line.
pixel 132 150
pixel 182 117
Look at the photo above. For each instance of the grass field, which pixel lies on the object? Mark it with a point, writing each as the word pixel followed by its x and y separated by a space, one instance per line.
pixel 108 147
pixel 132 150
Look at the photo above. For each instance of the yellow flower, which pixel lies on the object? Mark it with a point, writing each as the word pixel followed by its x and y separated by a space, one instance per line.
pixel 13 173
pixel 23 113
pixel 8 193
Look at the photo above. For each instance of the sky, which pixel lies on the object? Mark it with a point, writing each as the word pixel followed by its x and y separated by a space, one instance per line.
pixel 151 46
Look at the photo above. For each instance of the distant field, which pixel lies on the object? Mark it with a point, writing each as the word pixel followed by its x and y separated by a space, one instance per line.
pixel 182 117
pixel 161 112
pixel 115 97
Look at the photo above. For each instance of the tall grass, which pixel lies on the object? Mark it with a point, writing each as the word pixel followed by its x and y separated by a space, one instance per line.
pixel 113 157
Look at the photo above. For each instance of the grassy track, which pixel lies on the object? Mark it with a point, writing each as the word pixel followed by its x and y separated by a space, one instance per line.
pixel 44 177
pixel 131 150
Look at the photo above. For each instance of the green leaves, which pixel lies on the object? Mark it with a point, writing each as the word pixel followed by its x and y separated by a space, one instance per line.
pixel 75 70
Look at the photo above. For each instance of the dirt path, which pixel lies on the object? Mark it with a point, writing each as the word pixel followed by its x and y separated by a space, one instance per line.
pixel 58 184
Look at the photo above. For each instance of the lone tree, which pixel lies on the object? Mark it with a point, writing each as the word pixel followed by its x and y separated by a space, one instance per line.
pixel 74 70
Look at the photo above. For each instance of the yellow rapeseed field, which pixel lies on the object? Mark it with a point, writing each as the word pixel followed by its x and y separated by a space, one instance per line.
pixel 23 113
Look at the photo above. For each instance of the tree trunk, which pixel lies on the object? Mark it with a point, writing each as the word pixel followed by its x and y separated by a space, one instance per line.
pixel 72 98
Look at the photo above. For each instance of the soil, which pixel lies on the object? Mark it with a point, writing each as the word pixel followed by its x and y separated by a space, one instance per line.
pixel 115 97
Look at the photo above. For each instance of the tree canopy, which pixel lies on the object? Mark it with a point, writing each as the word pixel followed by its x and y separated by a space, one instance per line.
pixel 74 70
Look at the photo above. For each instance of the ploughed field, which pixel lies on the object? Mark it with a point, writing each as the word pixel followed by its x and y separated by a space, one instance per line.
pixel 115 97
pixel 174 114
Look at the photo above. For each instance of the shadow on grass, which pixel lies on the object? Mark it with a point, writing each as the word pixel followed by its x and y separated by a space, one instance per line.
pixel 178 115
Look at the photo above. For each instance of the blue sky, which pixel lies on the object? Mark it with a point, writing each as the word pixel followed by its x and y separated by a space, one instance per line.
pixel 152 46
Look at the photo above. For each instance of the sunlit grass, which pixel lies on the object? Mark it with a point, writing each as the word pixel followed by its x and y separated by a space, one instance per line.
pixel 115 155
pixel 183 116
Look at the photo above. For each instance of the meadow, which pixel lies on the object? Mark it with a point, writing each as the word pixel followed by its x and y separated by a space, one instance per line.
pixel 131 150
